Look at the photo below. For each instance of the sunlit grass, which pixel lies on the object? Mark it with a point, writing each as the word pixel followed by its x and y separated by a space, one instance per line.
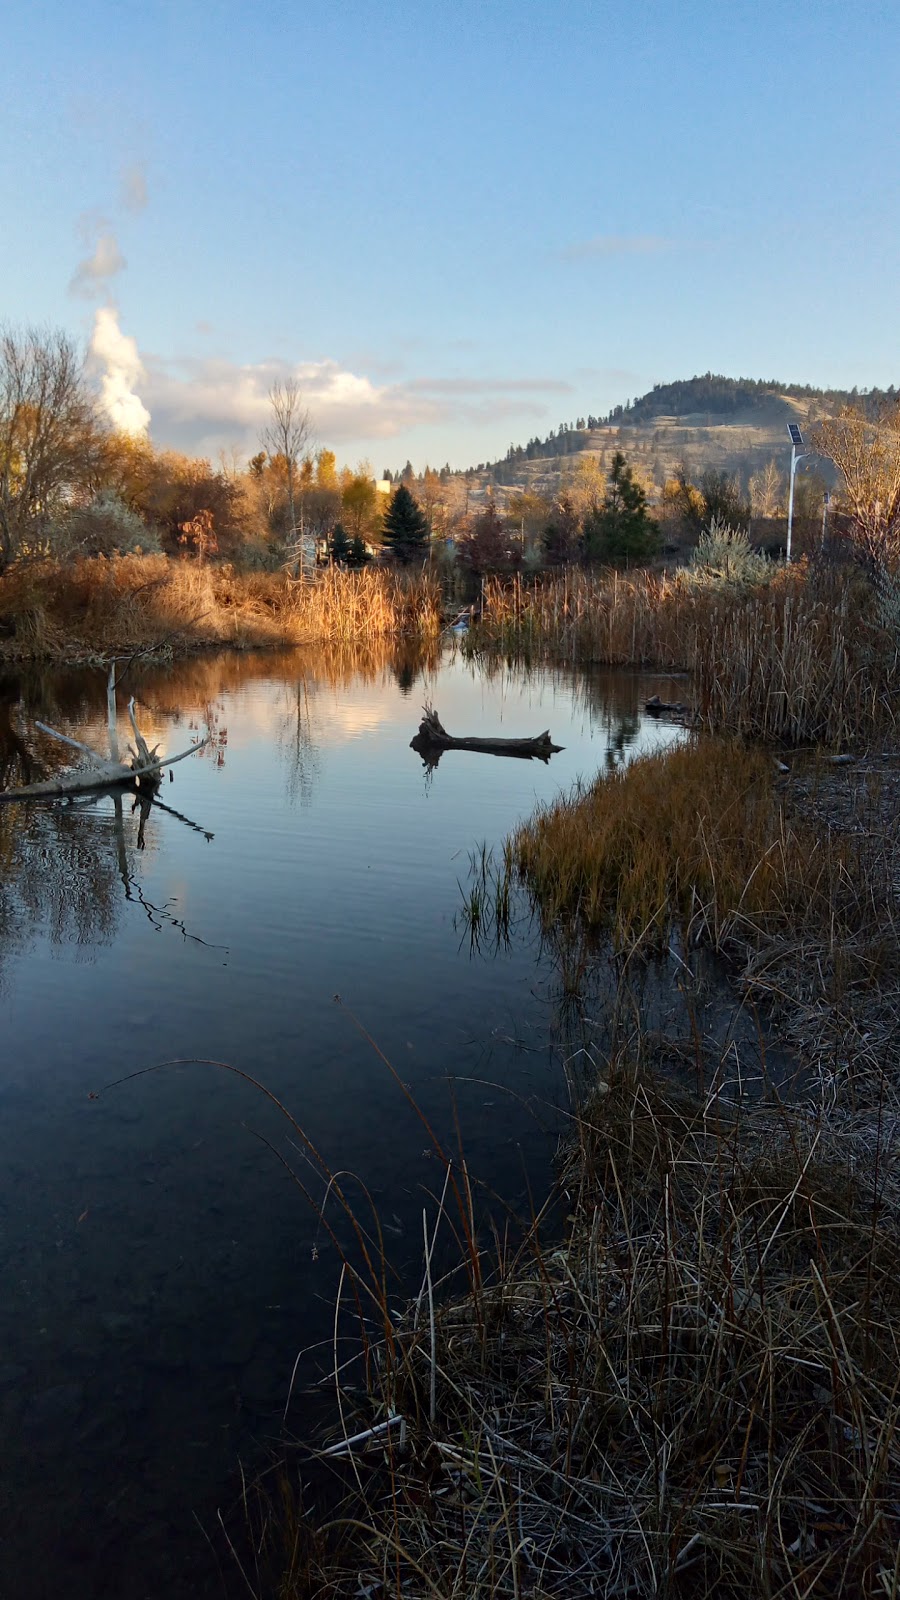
pixel 803 658
pixel 692 841
pixel 136 602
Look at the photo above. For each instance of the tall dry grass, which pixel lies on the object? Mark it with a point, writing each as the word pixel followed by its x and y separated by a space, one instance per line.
pixel 803 658
pixel 695 841
pixel 128 603
pixel 694 1393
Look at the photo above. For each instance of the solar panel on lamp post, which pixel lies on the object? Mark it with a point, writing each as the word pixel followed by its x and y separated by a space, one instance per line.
pixel 796 439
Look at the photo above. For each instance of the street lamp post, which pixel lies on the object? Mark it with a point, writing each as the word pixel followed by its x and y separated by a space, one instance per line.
pixel 796 439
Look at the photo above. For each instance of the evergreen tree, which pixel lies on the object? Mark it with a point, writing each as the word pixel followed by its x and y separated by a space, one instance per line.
pixel 339 545
pixel 405 527
pixel 621 530
pixel 358 555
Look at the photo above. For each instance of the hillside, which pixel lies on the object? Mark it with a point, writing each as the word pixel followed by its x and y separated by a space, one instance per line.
pixel 726 424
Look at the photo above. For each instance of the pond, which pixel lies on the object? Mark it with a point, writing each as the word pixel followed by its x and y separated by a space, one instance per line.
pixel 161 1270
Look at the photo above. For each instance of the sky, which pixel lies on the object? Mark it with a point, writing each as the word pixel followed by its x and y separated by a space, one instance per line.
pixel 455 225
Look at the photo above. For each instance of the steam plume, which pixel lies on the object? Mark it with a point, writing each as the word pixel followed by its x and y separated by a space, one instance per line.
pixel 123 370
pixel 92 275
pixel 134 187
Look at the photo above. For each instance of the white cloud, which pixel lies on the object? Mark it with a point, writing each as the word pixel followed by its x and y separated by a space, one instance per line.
pixel 206 405
pixel 121 371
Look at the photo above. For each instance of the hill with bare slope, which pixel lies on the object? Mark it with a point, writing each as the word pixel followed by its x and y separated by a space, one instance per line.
pixel 705 423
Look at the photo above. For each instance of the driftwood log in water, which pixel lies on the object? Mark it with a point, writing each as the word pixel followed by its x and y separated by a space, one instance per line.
pixel 433 737
pixel 104 772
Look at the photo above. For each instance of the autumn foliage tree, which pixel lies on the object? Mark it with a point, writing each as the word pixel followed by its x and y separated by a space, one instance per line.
pixel 199 534
pixel 489 546
pixel 182 489
pixel 866 452
pixel 359 503
pixel 51 440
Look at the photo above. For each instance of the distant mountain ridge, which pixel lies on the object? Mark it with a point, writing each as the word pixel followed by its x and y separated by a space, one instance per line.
pixel 708 421
pixel 712 392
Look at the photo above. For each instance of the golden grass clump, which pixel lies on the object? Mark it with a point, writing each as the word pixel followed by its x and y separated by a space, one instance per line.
pixel 694 839
pixel 135 602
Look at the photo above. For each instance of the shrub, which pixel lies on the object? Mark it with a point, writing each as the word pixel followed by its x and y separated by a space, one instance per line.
pixel 723 555
pixel 107 526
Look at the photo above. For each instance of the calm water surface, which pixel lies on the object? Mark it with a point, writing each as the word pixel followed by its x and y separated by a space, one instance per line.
pixel 160 1270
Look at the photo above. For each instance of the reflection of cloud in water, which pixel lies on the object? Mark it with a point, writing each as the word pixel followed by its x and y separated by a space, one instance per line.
pixel 351 720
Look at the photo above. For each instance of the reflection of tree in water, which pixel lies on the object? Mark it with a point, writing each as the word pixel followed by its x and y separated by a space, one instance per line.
pixel 298 741
pixel 610 698
pixel 622 728
pixel 66 868
pixel 334 668
pixel 410 660
pixel 59 875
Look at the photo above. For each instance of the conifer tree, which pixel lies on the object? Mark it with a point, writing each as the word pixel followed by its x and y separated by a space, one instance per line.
pixel 405 527
pixel 339 545
pixel 621 531
pixel 358 555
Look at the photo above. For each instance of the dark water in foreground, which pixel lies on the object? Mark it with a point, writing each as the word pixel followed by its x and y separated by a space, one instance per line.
pixel 160 1272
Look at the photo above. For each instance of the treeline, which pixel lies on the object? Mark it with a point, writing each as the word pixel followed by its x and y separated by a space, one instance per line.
pixel 714 393
pixel 71 485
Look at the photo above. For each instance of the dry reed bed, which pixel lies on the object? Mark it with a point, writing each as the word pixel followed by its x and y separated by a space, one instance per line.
pixel 694 1395
pixel 135 602
pixel 796 881
pixel 800 659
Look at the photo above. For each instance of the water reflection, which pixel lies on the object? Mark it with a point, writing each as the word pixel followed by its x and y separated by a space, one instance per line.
pixel 57 877
pixel 159 1273
pixel 66 866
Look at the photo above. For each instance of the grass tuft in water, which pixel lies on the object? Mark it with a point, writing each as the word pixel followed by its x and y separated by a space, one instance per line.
pixel 695 840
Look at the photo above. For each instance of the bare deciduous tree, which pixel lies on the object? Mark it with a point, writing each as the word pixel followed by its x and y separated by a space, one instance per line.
pixel 866 452
pixel 767 491
pixel 50 438
pixel 286 437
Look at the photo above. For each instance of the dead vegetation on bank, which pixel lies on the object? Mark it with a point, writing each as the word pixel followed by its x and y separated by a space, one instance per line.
pixel 803 658
pixel 695 1391
pixel 793 876
pixel 693 1394
pixel 102 606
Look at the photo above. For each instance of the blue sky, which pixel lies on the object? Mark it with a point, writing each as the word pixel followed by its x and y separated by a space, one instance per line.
pixel 458 225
